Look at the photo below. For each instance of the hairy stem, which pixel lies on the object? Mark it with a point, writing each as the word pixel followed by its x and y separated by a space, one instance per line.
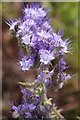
pixel 57 113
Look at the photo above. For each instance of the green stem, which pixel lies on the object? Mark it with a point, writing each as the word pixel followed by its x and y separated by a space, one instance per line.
pixel 44 96
pixel 28 84
pixel 57 113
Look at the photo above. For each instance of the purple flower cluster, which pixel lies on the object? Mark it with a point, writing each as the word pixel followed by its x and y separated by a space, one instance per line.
pixel 35 33
pixel 58 77
pixel 55 78
pixel 31 106
pixel 39 45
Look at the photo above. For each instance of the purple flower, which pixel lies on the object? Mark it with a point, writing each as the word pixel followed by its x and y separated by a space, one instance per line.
pixel 61 32
pixel 62 65
pixel 35 12
pixel 25 92
pixel 65 77
pixel 26 39
pixel 22 29
pixel 47 25
pixel 45 56
pixel 28 115
pixel 44 34
pixel 44 77
pixel 15 108
pixel 32 107
pixel 26 64
pixel 41 77
pixel 57 40
pixel 29 22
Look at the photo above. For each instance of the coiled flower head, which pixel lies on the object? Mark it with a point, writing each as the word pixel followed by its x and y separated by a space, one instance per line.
pixel 35 34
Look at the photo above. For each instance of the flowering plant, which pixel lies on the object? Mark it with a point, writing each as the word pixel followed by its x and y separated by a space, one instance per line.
pixel 43 50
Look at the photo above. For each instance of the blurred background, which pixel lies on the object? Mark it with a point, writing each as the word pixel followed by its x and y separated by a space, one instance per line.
pixel 64 15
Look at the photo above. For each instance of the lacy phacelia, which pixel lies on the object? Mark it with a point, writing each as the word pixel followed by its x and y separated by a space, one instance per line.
pixel 45 50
